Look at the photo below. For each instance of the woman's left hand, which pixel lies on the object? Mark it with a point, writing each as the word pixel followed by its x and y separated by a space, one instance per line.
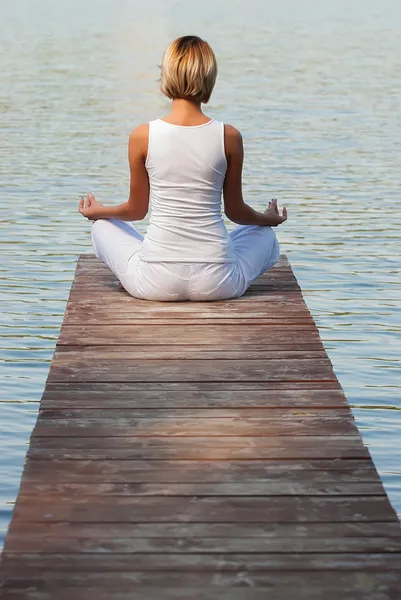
pixel 90 208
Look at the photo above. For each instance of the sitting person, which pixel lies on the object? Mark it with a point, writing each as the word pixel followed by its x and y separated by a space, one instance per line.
pixel 182 164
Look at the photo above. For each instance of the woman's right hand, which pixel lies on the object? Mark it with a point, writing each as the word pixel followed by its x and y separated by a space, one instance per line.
pixel 274 214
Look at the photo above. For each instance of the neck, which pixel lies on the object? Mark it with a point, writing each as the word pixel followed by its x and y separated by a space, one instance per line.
pixel 181 106
pixel 186 112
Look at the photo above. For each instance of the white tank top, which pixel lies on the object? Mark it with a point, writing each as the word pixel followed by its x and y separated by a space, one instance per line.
pixel 186 168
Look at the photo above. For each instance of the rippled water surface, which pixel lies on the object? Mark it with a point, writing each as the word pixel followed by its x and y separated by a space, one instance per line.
pixel 315 88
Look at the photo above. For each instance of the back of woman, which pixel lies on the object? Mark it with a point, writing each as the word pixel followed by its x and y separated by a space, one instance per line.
pixel 186 168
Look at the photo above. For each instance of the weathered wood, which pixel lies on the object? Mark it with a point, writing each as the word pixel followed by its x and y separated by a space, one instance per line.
pixel 175 471
pixel 136 396
pixel 109 315
pixel 213 448
pixel 124 369
pixel 270 488
pixel 275 532
pixel 69 354
pixel 193 413
pixel 208 585
pixel 197 451
pixel 169 333
pixel 268 509
pixel 101 312
pixel 197 413
pixel 192 592
pixel 28 543
pixel 33 564
pixel 194 427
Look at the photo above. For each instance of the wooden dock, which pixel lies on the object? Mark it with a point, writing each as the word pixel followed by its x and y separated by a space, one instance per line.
pixel 197 451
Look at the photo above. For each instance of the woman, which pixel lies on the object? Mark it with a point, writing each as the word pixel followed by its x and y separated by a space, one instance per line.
pixel 182 164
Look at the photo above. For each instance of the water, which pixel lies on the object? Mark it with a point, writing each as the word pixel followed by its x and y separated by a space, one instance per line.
pixel 315 88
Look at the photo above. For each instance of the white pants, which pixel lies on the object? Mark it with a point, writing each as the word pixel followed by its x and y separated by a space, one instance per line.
pixel 117 243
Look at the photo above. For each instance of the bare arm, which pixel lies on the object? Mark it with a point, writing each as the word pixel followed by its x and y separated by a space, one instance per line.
pixel 234 206
pixel 136 208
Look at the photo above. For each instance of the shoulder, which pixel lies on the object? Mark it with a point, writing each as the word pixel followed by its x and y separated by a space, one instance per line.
pixel 140 133
pixel 232 141
pixel 232 133
pixel 138 140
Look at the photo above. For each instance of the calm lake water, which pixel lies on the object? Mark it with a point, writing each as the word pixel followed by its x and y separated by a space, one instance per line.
pixel 315 88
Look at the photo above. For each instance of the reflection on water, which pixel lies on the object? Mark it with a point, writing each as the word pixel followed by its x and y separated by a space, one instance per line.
pixel 315 89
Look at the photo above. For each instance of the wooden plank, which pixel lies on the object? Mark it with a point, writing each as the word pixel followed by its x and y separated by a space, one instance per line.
pixel 124 369
pixel 155 451
pixel 169 333
pixel 34 564
pixel 192 386
pixel 211 414
pixel 131 396
pixel 235 509
pixel 192 320
pixel 223 448
pixel 66 354
pixel 171 585
pixel 205 537
pixel 275 532
pixel 260 488
pixel 28 543
pixel 100 311
pixel 294 422
pixel 242 414
pixel 175 471
pixel 186 452
pixel 207 586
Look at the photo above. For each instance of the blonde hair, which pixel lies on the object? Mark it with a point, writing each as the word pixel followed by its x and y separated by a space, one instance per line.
pixel 189 69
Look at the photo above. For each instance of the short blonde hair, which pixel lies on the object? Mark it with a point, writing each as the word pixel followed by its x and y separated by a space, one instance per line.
pixel 189 69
